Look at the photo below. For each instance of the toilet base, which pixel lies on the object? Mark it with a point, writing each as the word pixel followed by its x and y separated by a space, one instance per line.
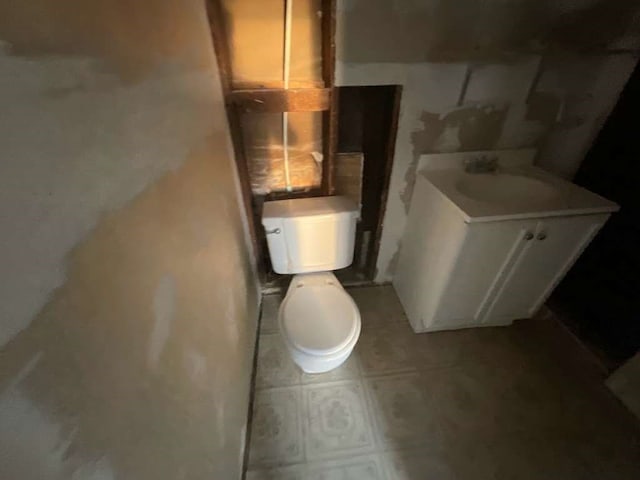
pixel 325 287
pixel 316 364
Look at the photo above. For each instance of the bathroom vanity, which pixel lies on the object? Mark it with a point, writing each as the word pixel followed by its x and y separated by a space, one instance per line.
pixel 483 249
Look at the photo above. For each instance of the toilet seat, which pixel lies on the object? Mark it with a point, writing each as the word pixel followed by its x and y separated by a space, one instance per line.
pixel 319 318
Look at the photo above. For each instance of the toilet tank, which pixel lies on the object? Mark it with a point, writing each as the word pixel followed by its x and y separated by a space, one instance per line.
pixel 310 234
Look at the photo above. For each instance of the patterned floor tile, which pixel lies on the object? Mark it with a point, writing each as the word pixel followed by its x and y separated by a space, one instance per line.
pixel 275 365
pixel 441 349
pixel 386 349
pixel 403 414
pixel 269 318
pixel 293 472
pixel 349 370
pixel 378 304
pixel 337 420
pixel 276 430
pixel 465 398
pixel 417 465
pixel 365 467
pixel 476 404
pixel 495 346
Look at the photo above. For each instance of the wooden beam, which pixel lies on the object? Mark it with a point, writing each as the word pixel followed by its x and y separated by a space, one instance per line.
pixel 330 117
pixel 275 84
pixel 328 41
pixel 275 101
pixel 329 144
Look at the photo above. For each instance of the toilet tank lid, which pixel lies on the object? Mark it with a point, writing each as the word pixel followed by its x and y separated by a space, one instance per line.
pixel 309 207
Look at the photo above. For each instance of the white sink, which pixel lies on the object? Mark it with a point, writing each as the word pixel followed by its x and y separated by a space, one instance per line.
pixel 516 190
pixel 499 188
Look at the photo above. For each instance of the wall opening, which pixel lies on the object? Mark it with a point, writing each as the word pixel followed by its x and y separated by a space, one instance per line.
pixel 367 124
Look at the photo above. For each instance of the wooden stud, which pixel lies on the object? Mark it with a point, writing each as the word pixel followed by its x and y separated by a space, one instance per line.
pixel 277 101
pixel 328 41
pixel 276 84
pixel 329 144
pixel 330 118
pixel 299 98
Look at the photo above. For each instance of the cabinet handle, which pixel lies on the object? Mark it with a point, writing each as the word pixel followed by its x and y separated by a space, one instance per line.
pixel 528 236
pixel 542 236
pixel 275 231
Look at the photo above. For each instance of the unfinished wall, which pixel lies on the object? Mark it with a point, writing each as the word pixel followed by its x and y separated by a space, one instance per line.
pixel 128 299
pixel 255 36
pixel 264 150
pixel 488 74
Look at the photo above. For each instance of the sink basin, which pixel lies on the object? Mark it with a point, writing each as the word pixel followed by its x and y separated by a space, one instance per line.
pixel 516 190
pixel 508 188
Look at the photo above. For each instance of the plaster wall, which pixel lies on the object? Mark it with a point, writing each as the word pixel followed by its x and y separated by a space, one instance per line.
pixel 129 296
pixel 483 75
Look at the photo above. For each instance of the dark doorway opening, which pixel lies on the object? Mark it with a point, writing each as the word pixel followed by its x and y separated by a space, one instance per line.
pixel 367 125
pixel 599 299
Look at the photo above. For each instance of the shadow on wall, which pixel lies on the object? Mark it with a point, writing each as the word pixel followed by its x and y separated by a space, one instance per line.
pixel 131 37
pixel 136 368
pixel 442 31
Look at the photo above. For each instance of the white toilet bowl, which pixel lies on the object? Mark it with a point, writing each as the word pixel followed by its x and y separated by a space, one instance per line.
pixel 319 321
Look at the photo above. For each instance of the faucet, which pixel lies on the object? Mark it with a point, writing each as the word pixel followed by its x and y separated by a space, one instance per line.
pixel 481 164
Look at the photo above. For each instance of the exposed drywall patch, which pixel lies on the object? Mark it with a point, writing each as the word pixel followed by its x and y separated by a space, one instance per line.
pixel 427 87
pixel 393 262
pixel 24 372
pixel 57 153
pixel 506 83
pixel 543 107
pixel 242 447
pixel 93 381
pixel 220 421
pixel 131 39
pixel 467 128
pixel 36 446
pixel 164 308
pixel 480 31
pixel 524 56
pixel 478 127
pixel 196 366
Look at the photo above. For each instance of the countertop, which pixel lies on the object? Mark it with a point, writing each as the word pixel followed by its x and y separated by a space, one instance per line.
pixel 571 199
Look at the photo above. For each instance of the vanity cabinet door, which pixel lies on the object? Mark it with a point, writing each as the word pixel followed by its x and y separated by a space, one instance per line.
pixel 487 254
pixel 541 264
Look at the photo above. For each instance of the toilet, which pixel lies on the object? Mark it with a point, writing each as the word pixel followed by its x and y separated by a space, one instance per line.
pixel 310 237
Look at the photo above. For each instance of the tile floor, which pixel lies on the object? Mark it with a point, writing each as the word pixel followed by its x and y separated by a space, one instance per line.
pixel 522 402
